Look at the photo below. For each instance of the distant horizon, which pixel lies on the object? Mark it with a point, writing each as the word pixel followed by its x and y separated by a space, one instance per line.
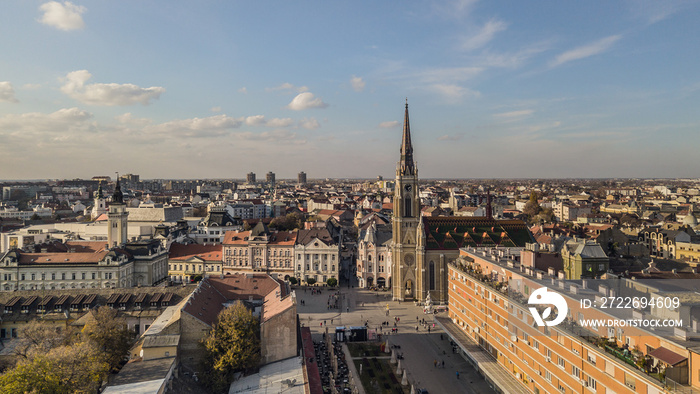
pixel 312 180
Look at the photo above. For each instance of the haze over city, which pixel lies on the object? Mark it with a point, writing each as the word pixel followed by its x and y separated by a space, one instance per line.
pixel 190 90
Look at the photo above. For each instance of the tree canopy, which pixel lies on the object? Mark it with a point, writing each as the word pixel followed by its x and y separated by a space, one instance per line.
pixel 232 345
pixel 55 360
pixel 291 221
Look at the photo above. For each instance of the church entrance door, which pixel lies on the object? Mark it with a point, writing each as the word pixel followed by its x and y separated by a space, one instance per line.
pixel 408 289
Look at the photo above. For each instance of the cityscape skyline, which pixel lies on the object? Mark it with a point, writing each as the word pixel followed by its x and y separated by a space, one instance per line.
pixel 595 90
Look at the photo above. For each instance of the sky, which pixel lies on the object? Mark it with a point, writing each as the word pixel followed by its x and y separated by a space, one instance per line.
pixel 217 89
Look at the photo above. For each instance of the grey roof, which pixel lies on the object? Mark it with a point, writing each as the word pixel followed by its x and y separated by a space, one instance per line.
pixel 160 340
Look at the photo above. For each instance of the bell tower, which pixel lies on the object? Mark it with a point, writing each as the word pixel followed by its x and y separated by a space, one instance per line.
pixel 406 275
pixel 117 218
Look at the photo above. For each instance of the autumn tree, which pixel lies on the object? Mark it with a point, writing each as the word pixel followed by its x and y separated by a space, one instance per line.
pixel 40 337
pixel 232 345
pixel 75 368
pixel 109 333
pixel 288 222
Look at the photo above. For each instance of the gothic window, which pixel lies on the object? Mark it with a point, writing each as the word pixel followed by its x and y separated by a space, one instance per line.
pixel 407 207
pixel 431 276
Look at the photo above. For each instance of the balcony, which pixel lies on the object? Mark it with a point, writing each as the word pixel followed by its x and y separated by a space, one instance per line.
pixel 634 359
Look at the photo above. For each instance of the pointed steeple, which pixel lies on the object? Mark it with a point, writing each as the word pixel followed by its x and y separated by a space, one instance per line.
pixel 406 164
pixel 118 196
pixel 99 191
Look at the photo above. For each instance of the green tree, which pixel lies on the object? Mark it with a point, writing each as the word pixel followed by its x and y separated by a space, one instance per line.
pixel 332 282
pixel 292 280
pixel 311 281
pixel 232 345
pixel 109 333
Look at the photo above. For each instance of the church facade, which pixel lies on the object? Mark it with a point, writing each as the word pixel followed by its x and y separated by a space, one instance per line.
pixel 423 246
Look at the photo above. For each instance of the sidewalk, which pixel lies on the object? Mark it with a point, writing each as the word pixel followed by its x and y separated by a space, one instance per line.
pixel 496 374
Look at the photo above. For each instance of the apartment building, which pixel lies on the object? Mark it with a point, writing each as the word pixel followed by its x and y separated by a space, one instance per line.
pixel 488 309
pixel 187 261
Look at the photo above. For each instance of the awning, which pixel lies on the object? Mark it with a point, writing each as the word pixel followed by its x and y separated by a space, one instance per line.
pixel 667 356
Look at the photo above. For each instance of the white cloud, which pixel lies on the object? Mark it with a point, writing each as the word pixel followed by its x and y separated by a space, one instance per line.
pixel 514 114
pixel 585 51
pixel 259 120
pixel 390 124
pixel 309 123
pixel 215 109
pixel 62 121
pixel 243 90
pixel 107 93
pixel 7 92
pixel 66 16
pixel 358 84
pixel 279 122
pixel 255 120
pixel 304 101
pixel 128 119
pixel 288 87
pixel 211 126
pixel 483 36
pixel 31 86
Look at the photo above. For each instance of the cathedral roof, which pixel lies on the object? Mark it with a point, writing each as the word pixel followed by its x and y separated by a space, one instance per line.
pixel 454 232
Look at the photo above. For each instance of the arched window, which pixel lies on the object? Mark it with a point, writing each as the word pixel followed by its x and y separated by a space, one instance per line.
pixel 408 212
pixel 431 276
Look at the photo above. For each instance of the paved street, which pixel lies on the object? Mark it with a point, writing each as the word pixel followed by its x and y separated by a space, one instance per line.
pixel 420 349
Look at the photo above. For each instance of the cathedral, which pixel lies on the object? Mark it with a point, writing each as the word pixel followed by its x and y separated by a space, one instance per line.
pixel 422 246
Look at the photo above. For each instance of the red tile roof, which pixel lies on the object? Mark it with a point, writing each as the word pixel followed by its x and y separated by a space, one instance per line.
pixel 186 252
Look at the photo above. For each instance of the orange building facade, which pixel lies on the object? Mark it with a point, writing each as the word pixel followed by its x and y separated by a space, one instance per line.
pixel 488 301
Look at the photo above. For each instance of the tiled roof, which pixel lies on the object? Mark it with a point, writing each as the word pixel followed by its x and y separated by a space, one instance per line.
pixel 185 252
pixel 306 236
pixel 454 232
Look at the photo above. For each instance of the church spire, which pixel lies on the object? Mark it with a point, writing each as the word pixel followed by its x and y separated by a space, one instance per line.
pixel 406 165
pixel 118 196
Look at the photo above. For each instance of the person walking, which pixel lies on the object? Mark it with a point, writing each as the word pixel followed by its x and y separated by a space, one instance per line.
pixel 457 373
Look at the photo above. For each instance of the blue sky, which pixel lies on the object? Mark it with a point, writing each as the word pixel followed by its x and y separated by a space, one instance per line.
pixel 215 89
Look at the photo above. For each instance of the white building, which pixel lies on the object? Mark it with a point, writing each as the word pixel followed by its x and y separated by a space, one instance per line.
pixel 317 255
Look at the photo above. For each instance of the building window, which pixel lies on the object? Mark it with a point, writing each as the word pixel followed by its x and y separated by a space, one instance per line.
pixel 431 276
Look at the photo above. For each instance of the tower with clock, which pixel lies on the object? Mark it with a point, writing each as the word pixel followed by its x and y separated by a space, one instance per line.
pixel 407 276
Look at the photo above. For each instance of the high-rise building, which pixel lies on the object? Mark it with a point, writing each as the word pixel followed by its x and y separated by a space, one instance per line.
pixel 301 178
pixel 250 178
pixel 270 177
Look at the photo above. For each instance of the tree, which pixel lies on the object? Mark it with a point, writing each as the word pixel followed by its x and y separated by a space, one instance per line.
pixel 332 282
pixel 532 208
pixel 109 333
pixel 75 368
pixel 39 337
pixel 289 222
pixel 292 280
pixel 232 345
pixel 311 281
